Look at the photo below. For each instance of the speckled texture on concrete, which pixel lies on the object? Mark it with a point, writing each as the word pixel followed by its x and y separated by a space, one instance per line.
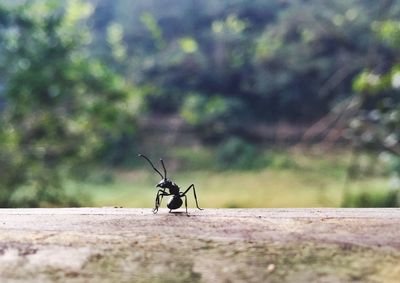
pixel 214 245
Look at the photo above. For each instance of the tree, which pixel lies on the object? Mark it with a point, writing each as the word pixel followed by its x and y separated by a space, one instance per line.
pixel 378 118
pixel 374 126
pixel 220 63
pixel 59 105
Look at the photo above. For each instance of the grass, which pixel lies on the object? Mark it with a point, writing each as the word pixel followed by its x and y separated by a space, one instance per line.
pixel 312 182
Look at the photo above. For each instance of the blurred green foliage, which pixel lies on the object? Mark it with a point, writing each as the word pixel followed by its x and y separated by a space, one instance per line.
pixel 375 123
pixel 236 153
pixel 67 69
pixel 382 198
pixel 214 117
pixel 227 64
pixel 59 105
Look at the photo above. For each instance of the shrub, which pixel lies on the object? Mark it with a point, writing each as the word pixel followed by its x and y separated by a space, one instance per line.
pixel 236 153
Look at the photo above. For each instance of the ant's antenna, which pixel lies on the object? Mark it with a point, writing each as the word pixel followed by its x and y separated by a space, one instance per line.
pixel 165 170
pixel 141 155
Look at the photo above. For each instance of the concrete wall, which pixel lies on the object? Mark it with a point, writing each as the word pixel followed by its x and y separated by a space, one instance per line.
pixel 214 245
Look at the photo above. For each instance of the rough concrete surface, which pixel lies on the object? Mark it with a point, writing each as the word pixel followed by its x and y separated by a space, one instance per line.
pixel 213 245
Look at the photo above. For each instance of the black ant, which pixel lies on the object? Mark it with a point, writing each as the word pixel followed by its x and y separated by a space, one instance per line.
pixel 175 201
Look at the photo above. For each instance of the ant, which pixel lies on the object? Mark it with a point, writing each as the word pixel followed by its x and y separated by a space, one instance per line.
pixel 175 201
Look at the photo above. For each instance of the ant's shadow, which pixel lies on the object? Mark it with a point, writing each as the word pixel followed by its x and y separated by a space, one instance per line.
pixel 178 213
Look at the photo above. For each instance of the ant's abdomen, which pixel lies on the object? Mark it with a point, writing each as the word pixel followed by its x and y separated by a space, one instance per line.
pixel 174 202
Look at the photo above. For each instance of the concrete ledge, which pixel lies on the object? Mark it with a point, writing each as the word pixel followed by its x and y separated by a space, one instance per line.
pixel 214 245
pixel 244 212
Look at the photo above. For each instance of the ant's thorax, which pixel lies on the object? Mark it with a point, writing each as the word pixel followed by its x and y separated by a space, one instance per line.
pixel 171 186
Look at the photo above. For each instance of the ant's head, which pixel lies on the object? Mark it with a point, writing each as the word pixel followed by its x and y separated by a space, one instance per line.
pixel 164 183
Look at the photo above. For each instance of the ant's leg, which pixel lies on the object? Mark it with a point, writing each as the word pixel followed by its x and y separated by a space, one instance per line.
pixel 186 204
pixel 162 195
pixel 158 201
pixel 156 204
pixel 194 192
